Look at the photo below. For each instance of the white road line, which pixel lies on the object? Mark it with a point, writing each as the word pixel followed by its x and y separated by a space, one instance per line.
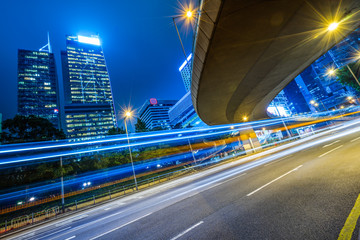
pixel 107 208
pixel 87 224
pixel 327 145
pixel 295 169
pixel 330 151
pixel 54 233
pixel 187 230
pixel 70 238
pixel 120 226
pixel 355 139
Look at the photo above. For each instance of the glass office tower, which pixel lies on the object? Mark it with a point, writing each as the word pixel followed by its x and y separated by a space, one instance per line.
pixel 37 85
pixel 89 108
pixel 185 71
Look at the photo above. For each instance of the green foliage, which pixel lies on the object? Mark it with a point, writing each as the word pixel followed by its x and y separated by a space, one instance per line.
pixel 140 126
pixel 116 131
pixel 345 77
pixel 158 129
pixel 29 129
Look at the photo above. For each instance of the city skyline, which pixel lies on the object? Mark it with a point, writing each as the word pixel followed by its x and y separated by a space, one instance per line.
pixel 123 46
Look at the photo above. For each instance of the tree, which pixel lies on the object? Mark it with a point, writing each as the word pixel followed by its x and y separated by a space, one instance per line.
pixel 159 128
pixel 177 126
pixel 29 129
pixel 140 126
pixel 345 77
pixel 116 130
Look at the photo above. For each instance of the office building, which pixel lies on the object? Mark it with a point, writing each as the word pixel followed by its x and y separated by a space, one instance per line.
pixel 279 106
pixel 155 113
pixel 320 90
pixel 185 71
pixel 0 126
pixel 38 85
pixel 89 109
pixel 296 101
pixel 183 115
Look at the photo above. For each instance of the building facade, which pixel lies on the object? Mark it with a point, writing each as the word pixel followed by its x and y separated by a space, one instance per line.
pixel 38 85
pixel 296 100
pixel 320 90
pixel 155 113
pixel 185 71
pixel 183 114
pixel 89 108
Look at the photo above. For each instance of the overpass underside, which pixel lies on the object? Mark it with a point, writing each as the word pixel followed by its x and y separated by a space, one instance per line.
pixel 247 51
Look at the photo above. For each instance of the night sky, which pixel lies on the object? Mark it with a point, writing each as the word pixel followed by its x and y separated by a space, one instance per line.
pixel 140 44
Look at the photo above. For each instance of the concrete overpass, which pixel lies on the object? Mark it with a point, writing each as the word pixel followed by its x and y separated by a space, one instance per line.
pixel 247 51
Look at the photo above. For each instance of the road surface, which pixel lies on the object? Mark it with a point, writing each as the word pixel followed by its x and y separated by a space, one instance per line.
pixel 303 192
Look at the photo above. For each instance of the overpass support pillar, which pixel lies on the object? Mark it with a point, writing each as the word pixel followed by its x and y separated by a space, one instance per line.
pixel 250 141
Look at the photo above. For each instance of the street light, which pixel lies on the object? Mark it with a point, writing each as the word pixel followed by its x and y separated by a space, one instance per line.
pixel 333 26
pixel 331 71
pixel 128 114
pixel 188 15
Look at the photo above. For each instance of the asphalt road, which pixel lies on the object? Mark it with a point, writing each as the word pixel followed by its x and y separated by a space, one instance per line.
pixel 303 192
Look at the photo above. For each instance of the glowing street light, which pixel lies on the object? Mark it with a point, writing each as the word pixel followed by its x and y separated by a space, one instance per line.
pixel 32 199
pixel 245 118
pixel 331 71
pixel 333 26
pixel 128 114
pixel 189 14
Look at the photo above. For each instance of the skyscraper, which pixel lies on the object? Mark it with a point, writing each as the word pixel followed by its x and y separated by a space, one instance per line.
pixel 297 102
pixel 89 108
pixel 185 71
pixel 183 115
pixel 38 85
pixel 155 113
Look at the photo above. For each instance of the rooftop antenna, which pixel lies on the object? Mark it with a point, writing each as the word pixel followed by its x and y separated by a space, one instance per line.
pixel 47 47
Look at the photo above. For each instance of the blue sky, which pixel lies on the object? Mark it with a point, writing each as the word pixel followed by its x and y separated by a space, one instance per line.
pixel 139 40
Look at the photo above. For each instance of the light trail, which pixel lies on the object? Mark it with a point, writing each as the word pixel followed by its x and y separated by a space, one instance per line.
pixel 126 145
pixel 138 136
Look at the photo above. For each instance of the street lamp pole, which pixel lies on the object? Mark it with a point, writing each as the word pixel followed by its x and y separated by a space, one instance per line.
pixel 352 73
pixel 277 110
pixel 182 45
pixel 62 186
pixel 128 114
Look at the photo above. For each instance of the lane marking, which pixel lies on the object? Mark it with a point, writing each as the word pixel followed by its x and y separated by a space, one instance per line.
pixel 350 223
pixel 204 186
pixel 330 151
pixel 295 169
pixel 188 230
pixel 70 220
pixel 107 208
pixel 120 226
pixel 277 160
pixel 355 139
pixel 54 233
pixel 328 145
pixel 87 224
pixel 70 238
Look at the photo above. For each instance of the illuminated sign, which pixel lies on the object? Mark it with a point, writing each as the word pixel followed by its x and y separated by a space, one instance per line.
pixel 186 61
pixel 89 40
pixel 56 110
pixel 153 101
